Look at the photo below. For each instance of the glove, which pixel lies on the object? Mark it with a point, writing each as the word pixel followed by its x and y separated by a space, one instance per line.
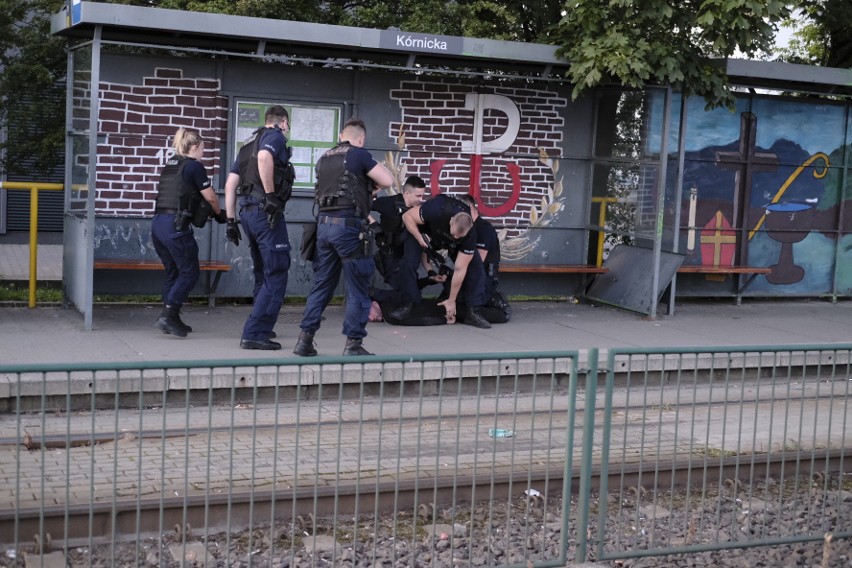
pixel 222 217
pixel 232 232
pixel 272 205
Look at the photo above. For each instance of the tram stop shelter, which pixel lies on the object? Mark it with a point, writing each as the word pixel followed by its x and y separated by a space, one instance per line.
pixel 611 196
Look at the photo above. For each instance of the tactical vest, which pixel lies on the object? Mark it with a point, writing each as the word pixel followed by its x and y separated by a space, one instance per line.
pixel 337 187
pixel 172 185
pixel 439 230
pixel 392 224
pixel 393 230
pixel 283 173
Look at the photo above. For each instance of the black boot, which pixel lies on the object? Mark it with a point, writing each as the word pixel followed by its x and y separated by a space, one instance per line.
pixel 354 347
pixel 181 323
pixel 401 312
pixel 169 321
pixel 305 345
pixel 475 318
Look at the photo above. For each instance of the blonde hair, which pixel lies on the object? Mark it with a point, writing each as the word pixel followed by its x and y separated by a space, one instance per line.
pixel 185 140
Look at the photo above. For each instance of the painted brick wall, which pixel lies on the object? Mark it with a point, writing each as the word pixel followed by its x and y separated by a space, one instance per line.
pixel 137 124
pixel 436 124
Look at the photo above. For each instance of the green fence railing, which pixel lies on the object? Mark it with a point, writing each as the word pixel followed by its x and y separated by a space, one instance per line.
pixel 489 459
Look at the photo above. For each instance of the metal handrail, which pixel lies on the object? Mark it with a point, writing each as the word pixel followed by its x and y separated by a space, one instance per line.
pixel 34 188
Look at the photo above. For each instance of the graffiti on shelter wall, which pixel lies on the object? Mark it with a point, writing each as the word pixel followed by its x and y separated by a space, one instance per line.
pixel 500 146
pixel 761 188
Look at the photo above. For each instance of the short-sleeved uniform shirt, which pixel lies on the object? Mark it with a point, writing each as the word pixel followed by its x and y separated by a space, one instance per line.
pixel 486 239
pixel 271 140
pixel 436 214
pixel 195 175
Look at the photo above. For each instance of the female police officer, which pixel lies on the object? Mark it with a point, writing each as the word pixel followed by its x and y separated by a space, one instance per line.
pixel 184 194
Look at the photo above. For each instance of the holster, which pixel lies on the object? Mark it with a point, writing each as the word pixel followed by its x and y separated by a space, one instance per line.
pixel 182 220
pixel 368 242
pixel 309 241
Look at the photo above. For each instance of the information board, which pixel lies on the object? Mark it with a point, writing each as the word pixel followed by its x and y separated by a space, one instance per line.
pixel 313 130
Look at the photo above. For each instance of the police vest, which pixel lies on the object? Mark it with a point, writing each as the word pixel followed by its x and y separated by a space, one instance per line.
pixel 392 226
pixel 439 230
pixel 283 173
pixel 338 188
pixel 172 186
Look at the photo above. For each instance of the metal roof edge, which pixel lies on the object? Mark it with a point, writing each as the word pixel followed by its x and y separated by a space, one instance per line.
pixel 788 72
pixel 79 15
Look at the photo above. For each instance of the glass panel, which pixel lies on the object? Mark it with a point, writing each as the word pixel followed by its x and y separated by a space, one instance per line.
pixel 78 139
pixel 629 124
pixel 624 202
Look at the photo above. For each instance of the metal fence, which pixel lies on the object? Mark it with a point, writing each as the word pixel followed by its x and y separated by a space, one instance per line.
pixel 516 459
pixel 706 450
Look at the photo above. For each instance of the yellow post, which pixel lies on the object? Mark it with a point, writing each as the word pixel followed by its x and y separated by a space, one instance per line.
pixel 603 201
pixel 34 189
pixel 33 244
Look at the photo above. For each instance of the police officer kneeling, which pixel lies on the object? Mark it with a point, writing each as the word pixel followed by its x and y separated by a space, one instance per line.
pixel 344 243
pixel 447 223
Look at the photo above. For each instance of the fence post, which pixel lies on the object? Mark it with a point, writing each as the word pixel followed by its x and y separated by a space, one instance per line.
pixel 586 462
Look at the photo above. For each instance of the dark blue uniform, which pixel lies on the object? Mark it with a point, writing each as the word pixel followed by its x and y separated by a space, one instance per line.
pixel 399 253
pixel 436 214
pixel 178 250
pixel 487 240
pixel 340 248
pixel 270 247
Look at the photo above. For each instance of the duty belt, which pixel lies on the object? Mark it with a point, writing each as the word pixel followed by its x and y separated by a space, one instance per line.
pixel 165 210
pixel 348 221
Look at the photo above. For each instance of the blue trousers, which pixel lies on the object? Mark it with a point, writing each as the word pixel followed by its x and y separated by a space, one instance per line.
pixel 270 252
pixel 340 250
pixel 473 290
pixel 178 252
pixel 401 274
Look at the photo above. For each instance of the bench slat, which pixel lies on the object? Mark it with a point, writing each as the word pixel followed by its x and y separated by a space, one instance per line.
pixel 694 269
pixel 136 264
pixel 119 264
pixel 553 268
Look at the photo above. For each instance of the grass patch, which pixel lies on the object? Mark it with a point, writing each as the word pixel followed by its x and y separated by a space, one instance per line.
pixel 20 292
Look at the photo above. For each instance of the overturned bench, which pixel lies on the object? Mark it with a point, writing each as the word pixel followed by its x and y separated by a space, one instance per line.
pixel 217 267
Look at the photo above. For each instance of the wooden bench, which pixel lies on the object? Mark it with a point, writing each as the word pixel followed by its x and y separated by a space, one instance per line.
pixel 752 271
pixel 698 269
pixel 135 264
pixel 553 269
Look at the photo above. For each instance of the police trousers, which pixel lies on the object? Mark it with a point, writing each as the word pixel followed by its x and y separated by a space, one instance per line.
pixel 178 252
pixel 340 250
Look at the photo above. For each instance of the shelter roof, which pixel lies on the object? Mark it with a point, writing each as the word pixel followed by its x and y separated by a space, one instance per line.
pixel 324 44
pixel 286 40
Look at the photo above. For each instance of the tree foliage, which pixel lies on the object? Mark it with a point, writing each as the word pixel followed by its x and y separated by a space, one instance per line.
pixel 663 42
pixel 31 85
pixel 624 42
pixel 825 38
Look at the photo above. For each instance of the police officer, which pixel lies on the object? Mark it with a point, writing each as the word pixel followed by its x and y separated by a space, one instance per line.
pixel 398 256
pixel 488 245
pixel 448 225
pixel 343 196
pixel 183 191
pixel 263 176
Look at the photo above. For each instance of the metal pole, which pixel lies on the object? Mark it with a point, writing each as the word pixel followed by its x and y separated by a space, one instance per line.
pixel 33 244
pixel 586 463
pixel 33 188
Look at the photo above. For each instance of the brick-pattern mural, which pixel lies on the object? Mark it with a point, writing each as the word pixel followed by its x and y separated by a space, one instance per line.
pixel 437 125
pixel 137 124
